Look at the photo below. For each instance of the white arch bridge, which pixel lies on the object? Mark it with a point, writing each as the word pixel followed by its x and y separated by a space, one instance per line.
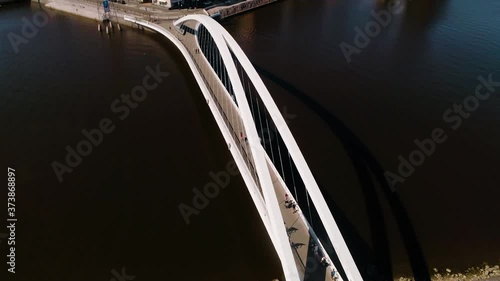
pixel 267 155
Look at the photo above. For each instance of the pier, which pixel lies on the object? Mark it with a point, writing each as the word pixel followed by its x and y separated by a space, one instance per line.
pixel 223 12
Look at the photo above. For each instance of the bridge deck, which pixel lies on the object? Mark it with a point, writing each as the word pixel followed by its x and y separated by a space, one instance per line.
pixel 307 256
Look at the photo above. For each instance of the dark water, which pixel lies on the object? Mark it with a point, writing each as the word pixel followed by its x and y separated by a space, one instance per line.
pixel 395 91
pixel 119 207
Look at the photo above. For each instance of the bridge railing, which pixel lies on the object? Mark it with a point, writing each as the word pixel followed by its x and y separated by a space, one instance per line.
pixel 242 144
pixel 237 138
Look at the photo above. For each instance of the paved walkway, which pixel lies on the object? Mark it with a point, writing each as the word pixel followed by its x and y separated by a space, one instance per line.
pixel 146 11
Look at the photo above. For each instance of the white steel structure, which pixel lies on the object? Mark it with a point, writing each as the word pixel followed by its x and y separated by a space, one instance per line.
pixel 235 93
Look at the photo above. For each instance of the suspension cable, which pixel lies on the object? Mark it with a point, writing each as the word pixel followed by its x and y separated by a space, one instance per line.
pixel 251 99
pixel 260 117
pixel 279 153
pixel 293 177
pixel 253 118
pixel 244 136
pixel 269 137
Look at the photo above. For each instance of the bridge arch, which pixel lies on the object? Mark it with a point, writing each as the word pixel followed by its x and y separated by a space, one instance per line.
pixel 267 204
pixel 277 228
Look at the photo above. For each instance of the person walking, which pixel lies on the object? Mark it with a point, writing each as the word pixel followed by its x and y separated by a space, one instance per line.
pixel 334 275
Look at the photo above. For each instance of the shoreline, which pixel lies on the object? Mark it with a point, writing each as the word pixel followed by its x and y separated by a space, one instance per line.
pixel 89 9
pixel 485 273
pixel 224 12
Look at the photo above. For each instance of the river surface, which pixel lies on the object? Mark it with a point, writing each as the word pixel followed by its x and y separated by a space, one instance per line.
pixel 118 208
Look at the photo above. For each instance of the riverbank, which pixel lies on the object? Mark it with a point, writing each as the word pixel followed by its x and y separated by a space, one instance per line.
pixel 89 9
pixel 223 12
pixel 485 273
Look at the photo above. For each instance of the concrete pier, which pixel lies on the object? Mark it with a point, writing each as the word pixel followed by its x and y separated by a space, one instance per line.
pixel 223 12
pixel 148 11
pixel 89 9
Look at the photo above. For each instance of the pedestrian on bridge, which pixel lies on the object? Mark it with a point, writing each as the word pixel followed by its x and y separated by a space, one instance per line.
pixel 334 275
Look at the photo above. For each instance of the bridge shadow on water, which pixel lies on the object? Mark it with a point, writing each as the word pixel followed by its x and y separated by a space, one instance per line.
pixel 375 264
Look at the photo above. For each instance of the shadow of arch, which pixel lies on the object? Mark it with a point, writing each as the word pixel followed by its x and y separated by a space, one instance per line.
pixel 364 163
